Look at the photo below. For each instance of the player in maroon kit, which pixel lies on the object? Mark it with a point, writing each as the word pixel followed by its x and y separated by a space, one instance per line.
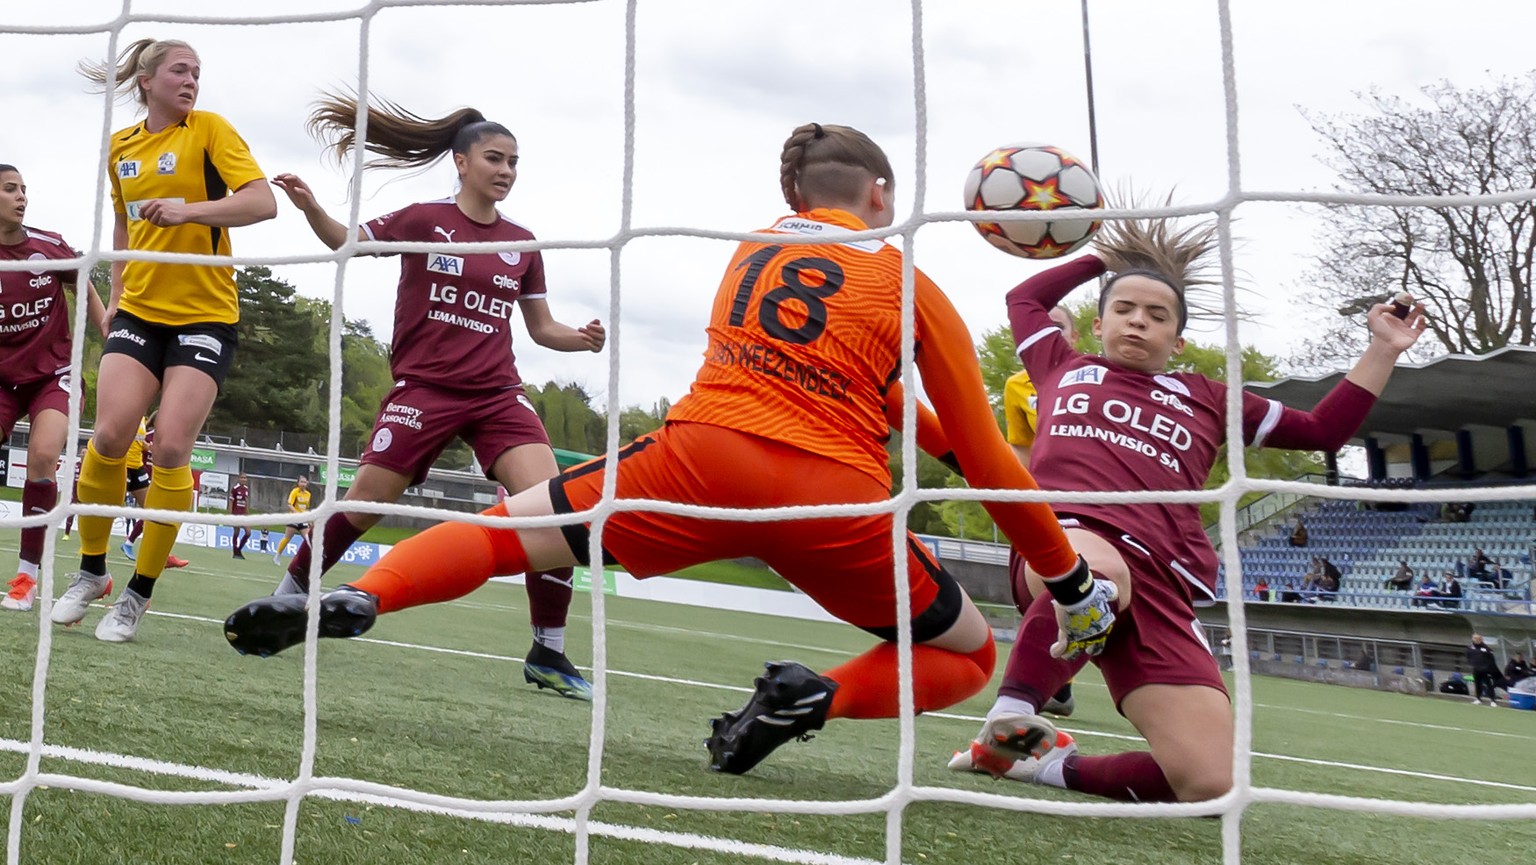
pixel 1120 421
pixel 239 505
pixel 35 379
pixel 451 355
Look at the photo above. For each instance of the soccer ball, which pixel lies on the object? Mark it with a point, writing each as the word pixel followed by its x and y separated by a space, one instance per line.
pixel 1034 177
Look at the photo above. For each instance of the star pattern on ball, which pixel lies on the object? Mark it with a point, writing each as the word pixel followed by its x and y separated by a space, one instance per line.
pixel 1044 195
pixel 1001 158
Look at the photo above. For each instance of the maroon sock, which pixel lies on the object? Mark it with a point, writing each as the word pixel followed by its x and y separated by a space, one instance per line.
pixel 37 497
pixel 1032 674
pixel 339 535
pixel 549 597
pixel 1129 777
pixel 135 530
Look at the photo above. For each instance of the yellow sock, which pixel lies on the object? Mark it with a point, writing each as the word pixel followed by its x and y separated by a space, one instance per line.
pixel 102 482
pixel 170 489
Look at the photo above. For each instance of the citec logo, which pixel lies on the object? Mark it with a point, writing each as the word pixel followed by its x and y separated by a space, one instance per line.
pixel 503 281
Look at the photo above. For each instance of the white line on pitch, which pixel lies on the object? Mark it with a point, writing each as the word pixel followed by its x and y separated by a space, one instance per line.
pixel 643 834
pixel 975 719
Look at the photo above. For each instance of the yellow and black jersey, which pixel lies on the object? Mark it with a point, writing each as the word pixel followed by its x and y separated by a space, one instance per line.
pixel 202 158
pixel 298 500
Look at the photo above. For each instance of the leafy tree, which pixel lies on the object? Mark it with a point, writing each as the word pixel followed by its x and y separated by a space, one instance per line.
pixel 278 377
pixel 568 416
pixel 1471 266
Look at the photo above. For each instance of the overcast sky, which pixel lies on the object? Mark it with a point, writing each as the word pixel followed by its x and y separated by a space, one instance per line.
pixel 719 85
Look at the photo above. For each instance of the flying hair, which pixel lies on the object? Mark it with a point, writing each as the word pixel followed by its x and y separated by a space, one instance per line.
pixel 829 165
pixel 140 58
pixel 400 138
pixel 1157 248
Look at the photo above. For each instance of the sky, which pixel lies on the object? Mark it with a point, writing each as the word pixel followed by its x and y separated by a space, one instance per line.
pixel 719 84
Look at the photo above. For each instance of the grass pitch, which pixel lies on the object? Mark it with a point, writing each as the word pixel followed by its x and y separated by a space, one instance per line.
pixel 433 701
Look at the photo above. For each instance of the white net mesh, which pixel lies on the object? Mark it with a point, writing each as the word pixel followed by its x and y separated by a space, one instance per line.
pixel 547 813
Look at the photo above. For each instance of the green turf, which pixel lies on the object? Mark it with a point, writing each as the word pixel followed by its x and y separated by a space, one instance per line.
pixel 462 725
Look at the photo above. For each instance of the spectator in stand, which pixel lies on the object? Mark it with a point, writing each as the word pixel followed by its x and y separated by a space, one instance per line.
pixel 1261 589
pixel 1477 569
pixel 1517 669
pixel 1299 534
pixel 1485 670
pixel 1427 594
pixel 1450 592
pixel 1330 580
pixel 1289 595
pixel 1314 575
pixel 1402 581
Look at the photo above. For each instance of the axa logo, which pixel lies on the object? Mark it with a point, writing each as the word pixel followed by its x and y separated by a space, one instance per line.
pixel 1084 375
pixel 128 168
pixel 451 265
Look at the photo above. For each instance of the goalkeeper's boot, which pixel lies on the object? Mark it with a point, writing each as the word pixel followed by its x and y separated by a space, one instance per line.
pixel 790 701
pixel 22 591
pixel 1062 703
pixel 171 561
pixel 982 758
pixel 84 587
pixel 269 625
pixel 548 668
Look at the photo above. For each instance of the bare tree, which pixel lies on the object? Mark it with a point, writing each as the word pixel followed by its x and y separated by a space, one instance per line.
pixel 1471 266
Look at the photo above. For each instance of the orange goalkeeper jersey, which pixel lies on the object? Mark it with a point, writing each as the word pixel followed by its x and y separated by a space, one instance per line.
pixel 805 348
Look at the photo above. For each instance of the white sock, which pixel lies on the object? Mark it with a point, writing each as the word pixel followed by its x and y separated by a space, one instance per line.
pixel 1010 706
pixel 1053 774
pixel 289 586
pixel 27 568
pixel 550 638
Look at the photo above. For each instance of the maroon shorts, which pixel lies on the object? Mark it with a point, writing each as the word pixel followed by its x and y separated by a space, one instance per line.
pixel 1157 640
pixel 27 400
pixel 416 422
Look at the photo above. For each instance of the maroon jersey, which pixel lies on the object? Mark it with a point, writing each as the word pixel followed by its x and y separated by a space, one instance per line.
pixel 453 312
pixel 34 322
pixel 239 498
pixel 1103 427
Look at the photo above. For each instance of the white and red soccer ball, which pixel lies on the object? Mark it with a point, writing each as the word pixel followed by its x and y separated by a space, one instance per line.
pixel 1035 177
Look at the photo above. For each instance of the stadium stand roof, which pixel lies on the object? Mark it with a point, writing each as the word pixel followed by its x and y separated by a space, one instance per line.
pixel 1447 393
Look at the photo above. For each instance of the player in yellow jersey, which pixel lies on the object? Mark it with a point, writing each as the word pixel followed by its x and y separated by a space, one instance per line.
pixel 298 503
pixel 792 406
pixel 181 179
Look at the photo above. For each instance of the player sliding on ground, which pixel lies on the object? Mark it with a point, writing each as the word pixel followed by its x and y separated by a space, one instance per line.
pixel 1122 422
pixel 451 356
pixel 792 406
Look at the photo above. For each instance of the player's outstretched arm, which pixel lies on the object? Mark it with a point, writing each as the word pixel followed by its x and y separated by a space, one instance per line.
pixel 549 333
pixel 331 232
pixel 1339 414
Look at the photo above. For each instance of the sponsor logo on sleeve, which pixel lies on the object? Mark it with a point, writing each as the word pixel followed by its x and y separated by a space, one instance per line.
pixel 452 265
pixel 166 163
pixel 522 399
pixel 382 440
pixel 1084 375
